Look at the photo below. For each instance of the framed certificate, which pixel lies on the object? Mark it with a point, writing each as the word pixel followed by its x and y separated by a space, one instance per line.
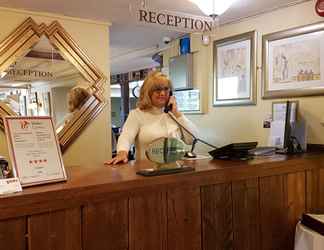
pixel 188 100
pixel 34 150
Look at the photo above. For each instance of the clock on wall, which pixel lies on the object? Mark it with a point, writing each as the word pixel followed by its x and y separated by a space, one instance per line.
pixel 136 91
pixel 319 7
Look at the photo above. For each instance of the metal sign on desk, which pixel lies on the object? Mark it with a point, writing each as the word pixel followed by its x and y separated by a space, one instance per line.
pixel 165 153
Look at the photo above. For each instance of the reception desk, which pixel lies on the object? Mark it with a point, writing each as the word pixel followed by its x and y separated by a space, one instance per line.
pixel 221 205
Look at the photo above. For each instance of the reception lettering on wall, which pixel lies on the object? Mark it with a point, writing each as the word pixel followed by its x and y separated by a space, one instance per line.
pixel 29 73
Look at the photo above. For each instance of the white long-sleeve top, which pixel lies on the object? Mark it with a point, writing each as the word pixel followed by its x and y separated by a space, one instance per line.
pixel 143 127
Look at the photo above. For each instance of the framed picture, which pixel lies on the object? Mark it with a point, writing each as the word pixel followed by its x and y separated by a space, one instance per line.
pixel 188 101
pixel 293 62
pixel 34 150
pixel 235 70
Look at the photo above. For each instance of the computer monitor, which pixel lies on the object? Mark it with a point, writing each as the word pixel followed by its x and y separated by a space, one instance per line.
pixel 287 131
pixel 293 133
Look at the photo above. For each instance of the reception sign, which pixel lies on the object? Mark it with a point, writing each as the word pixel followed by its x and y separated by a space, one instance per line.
pixel 174 20
pixel 17 74
pixel 34 150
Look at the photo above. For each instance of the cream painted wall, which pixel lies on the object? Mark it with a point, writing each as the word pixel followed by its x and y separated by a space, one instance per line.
pixel 93 146
pixel 222 125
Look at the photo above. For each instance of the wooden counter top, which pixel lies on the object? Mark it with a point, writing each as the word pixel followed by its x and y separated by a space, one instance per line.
pixel 85 181
pixel 123 176
pixel 242 204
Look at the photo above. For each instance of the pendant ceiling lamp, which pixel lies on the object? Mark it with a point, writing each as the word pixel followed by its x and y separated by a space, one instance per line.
pixel 213 8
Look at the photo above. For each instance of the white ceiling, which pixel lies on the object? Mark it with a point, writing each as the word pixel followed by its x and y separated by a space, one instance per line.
pixel 132 45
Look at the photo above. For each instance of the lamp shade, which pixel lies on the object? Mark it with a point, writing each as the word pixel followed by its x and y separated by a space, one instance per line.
pixel 213 7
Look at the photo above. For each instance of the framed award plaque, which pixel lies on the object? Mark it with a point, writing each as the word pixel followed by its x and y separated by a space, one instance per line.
pixel 34 150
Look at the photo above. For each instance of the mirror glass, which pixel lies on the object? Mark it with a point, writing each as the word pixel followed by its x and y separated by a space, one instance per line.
pixel 44 83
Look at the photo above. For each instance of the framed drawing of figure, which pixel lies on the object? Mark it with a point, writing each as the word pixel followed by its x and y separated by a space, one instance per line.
pixel 235 70
pixel 293 62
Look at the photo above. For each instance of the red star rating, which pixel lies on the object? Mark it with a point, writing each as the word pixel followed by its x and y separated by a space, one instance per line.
pixel 38 161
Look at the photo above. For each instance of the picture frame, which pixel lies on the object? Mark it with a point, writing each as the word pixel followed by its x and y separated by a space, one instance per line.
pixel 235 70
pixel 188 101
pixel 293 62
pixel 34 150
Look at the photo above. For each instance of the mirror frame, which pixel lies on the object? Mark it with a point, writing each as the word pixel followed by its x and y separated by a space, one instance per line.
pixel 20 42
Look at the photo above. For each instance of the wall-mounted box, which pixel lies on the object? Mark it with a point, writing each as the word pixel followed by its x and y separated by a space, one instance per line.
pixel 180 71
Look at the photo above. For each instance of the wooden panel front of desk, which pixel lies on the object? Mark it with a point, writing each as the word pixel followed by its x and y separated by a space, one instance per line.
pixel 220 206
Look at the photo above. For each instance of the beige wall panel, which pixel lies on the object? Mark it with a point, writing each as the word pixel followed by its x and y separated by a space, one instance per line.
pixel 222 125
pixel 93 145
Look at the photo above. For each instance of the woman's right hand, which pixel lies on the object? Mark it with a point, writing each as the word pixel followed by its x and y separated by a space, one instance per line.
pixel 121 157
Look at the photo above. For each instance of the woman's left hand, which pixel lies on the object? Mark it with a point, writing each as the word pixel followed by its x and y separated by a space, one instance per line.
pixel 174 110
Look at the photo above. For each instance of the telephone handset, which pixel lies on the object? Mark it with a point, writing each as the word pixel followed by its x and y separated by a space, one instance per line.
pixel 319 7
pixel 168 108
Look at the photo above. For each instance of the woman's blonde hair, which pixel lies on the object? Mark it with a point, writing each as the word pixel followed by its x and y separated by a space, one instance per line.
pixel 153 80
pixel 77 97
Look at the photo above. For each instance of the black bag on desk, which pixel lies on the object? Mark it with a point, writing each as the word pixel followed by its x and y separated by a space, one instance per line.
pixel 313 223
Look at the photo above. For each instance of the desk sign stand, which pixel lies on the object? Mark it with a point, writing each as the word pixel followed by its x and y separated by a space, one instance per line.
pixel 10 185
pixel 165 153
pixel 34 150
pixel 164 171
pixel 7 184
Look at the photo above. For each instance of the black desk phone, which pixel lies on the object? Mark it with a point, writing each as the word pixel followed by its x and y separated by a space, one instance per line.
pixel 234 151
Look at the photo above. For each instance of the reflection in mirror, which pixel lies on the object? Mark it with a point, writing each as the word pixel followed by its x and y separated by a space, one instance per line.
pixel 43 83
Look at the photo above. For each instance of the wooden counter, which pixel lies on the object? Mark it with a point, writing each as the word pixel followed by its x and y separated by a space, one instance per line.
pixel 222 205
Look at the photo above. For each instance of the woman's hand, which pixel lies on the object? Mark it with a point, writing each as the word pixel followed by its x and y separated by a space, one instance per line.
pixel 174 110
pixel 121 157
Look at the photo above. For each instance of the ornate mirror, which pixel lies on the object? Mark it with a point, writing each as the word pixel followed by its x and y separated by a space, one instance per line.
pixel 43 72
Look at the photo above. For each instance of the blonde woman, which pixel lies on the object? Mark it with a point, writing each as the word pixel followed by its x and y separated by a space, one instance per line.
pixel 76 97
pixel 149 121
